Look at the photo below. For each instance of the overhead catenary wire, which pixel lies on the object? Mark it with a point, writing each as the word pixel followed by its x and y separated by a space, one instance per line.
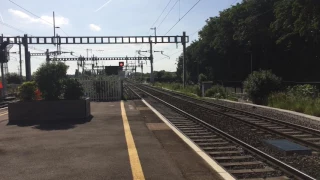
pixel 12 27
pixel 201 28
pixel 172 54
pixel 157 20
pixel 168 13
pixel 37 16
pixel 182 17
pixel 161 13
pixel 30 12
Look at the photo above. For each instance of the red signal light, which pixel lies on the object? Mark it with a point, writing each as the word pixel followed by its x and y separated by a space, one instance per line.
pixel 121 64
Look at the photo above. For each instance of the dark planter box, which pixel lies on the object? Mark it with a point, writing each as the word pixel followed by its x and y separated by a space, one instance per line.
pixel 35 112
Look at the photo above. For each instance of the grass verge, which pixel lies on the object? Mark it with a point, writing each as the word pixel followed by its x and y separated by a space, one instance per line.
pixel 302 104
pixel 194 91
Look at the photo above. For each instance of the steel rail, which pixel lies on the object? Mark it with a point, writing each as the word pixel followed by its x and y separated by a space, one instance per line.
pixel 284 167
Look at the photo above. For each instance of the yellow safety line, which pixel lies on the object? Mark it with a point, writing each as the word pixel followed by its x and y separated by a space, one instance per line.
pixel 136 168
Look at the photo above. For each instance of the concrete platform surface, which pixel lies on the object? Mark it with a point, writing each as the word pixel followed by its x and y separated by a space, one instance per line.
pixel 98 149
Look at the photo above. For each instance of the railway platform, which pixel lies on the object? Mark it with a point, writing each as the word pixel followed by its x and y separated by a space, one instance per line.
pixel 123 140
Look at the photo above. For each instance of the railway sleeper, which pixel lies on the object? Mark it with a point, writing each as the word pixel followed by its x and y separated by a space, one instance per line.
pixel 207 140
pixel 311 139
pixel 193 131
pixel 257 170
pixel 261 175
pixel 219 148
pixel 197 133
pixel 284 130
pixel 231 164
pixel 268 178
pixel 213 153
pixel 225 159
pixel 182 122
pixel 192 128
pixel 204 137
pixel 293 132
pixel 302 135
pixel 275 127
pixel 213 144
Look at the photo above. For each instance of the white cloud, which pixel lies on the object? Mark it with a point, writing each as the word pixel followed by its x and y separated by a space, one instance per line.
pixel 47 20
pixel 94 27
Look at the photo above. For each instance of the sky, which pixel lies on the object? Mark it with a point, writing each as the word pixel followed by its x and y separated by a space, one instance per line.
pixel 106 18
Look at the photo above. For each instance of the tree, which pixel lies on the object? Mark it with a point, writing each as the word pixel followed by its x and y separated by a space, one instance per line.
pixel 13 78
pixel 279 35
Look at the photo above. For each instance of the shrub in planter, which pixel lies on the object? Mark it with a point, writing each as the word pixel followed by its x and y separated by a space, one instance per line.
pixel 72 89
pixel 49 79
pixel 26 92
pixel 260 84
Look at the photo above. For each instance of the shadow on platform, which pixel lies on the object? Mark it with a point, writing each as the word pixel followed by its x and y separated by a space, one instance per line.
pixel 56 125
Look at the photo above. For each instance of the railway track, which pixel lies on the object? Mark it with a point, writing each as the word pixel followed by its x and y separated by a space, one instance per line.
pixel 300 134
pixel 237 157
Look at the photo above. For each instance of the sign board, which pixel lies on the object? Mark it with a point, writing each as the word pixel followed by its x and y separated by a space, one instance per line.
pixel 111 70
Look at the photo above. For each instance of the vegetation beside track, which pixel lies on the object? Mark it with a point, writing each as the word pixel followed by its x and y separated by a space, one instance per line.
pixel 194 91
pixel 300 98
pixel 190 90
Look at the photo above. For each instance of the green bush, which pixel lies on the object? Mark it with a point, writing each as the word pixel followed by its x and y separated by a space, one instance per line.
pixel 260 84
pixel 216 91
pixel 26 92
pixel 13 78
pixel 202 78
pixel 72 89
pixel 49 79
pixel 305 90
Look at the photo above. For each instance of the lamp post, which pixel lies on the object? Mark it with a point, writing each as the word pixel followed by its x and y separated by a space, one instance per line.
pixel 250 46
pixel 155 34
pixel 20 61
pixel 155 31
pixel 54 30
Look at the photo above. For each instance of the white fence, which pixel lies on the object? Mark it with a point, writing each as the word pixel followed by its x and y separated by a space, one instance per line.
pixel 107 88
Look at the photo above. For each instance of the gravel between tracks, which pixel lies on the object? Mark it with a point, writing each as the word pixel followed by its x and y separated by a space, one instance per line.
pixel 307 164
pixel 167 112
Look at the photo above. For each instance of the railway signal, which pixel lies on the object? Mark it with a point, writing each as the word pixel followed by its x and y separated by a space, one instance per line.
pixel 121 64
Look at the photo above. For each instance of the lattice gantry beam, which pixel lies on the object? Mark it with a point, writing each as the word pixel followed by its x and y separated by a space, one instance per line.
pixel 99 58
pixel 37 54
pixel 96 40
pixel 44 54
